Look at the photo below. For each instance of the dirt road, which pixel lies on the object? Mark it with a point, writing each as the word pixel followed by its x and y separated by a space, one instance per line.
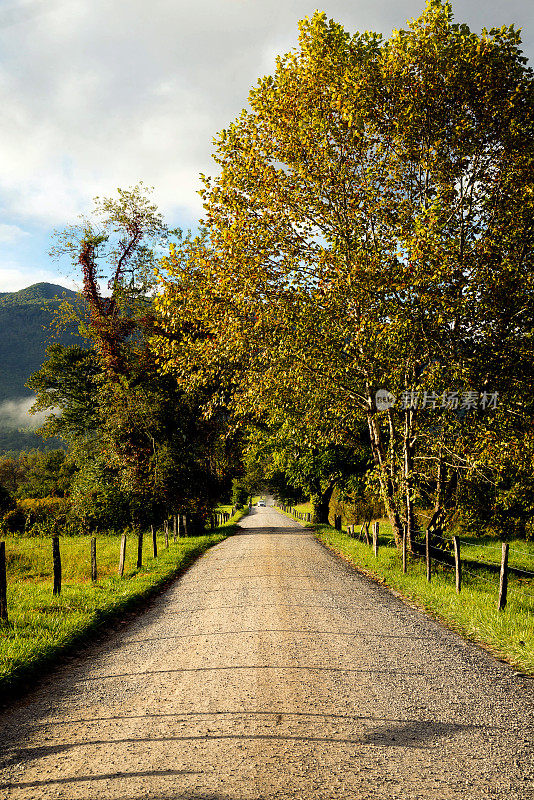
pixel 271 670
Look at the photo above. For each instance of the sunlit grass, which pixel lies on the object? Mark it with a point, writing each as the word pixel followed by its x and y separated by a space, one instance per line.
pixel 305 508
pixel 488 548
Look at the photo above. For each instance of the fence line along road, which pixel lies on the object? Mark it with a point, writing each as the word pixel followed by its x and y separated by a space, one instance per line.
pixel 441 556
pixel 179 523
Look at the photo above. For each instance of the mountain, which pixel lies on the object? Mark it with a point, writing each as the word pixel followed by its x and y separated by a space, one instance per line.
pixel 37 293
pixel 25 332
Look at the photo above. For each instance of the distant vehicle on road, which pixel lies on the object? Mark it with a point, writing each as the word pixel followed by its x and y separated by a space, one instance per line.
pixel 261 503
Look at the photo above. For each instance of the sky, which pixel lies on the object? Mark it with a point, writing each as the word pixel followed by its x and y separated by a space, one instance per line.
pixel 100 94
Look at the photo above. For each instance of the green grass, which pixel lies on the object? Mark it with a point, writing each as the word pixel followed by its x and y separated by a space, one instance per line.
pixel 30 559
pixel 488 548
pixel 301 521
pixel 509 634
pixel 41 627
pixel 304 507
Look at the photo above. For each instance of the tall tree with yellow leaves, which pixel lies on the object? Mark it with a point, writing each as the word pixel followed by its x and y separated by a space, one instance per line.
pixel 371 228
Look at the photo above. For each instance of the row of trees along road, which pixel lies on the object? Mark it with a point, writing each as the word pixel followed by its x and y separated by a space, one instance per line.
pixel 140 445
pixel 371 227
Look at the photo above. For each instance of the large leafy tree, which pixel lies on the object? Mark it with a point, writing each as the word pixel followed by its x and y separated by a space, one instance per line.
pixel 138 440
pixel 293 466
pixel 371 227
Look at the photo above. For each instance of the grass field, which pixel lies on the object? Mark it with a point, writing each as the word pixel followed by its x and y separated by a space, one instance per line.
pixel 304 507
pixel 473 612
pixel 41 626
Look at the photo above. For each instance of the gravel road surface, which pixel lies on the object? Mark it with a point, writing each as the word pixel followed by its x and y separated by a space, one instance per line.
pixel 273 670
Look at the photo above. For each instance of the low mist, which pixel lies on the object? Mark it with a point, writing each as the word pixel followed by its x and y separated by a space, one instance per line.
pixel 14 414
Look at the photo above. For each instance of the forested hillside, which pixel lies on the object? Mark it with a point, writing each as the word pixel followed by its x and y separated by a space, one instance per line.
pixel 25 333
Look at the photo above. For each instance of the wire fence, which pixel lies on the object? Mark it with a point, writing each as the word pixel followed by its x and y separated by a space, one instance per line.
pixel 80 559
pixel 452 554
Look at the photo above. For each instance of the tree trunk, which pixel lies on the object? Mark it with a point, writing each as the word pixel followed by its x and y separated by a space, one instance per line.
pixel 411 525
pixel 444 498
pixel 391 448
pixel 386 484
pixel 441 478
pixel 321 505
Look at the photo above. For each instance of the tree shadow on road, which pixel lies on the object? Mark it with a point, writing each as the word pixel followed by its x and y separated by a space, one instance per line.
pixel 414 733
pixel 103 777
pixel 272 531
pixel 396 733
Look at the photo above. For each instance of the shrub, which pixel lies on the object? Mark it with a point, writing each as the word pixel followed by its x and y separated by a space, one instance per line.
pixel 14 521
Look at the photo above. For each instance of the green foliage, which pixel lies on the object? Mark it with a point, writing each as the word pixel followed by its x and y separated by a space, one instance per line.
pixel 65 385
pixel 37 474
pixel 13 521
pixel 96 499
pixel 370 227
pixel 240 493
pixel 39 517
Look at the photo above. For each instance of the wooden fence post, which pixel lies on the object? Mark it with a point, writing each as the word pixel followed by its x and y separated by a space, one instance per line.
pixel 503 583
pixel 367 533
pixel 404 548
pixel 376 528
pixel 3 583
pixel 122 555
pixel 139 549
pixel 166 530
pixel 154 542
pixel 457 563
pixel 56 560
pixel 94 574
pixel 427 553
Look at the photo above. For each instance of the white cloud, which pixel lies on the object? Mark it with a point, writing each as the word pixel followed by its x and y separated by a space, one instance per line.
pixel 98 94
pixel 9 234
pixel 13 278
